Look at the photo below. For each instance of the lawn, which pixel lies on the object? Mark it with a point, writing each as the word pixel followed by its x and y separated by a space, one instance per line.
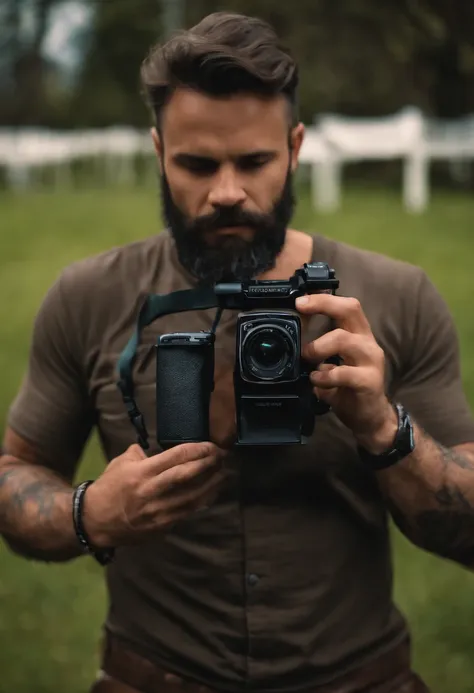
pixel 50 616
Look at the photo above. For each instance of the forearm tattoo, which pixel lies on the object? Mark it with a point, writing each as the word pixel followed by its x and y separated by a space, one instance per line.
pixel 443 521
pixel 33 502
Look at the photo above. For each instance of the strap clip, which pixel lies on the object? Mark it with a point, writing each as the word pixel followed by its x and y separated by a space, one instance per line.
pixel 135 416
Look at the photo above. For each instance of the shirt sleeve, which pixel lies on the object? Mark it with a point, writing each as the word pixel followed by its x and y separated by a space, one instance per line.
pixel 431 387
pixel 52 411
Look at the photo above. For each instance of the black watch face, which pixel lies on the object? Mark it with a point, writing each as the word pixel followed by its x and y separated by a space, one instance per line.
pixel 404 440
pixel 404 444
pixel 408 438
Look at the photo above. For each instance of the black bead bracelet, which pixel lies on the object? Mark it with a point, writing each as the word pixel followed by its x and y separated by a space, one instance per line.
pixel 103 556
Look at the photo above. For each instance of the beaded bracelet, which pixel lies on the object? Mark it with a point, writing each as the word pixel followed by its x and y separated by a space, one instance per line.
pixel 103 556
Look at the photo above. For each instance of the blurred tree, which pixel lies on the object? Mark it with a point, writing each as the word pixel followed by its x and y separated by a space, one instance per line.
pixel 357 57
pixel 9 42
pixel 365 57
pixel 24 70
pixel 449 57
pixel 108 90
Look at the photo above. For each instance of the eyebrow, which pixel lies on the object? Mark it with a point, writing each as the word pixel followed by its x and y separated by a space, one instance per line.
pixel 185 158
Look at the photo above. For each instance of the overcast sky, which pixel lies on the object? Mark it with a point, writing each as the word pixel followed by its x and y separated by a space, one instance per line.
pixel 67 20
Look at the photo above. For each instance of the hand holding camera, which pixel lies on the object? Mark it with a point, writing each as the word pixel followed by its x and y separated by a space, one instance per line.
pixel 138 496
pixel 355 390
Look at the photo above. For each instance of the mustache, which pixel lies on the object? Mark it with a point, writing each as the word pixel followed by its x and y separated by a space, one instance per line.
pixel 225 217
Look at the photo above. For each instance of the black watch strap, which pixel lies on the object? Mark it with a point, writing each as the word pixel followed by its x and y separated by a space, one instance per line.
pixel 102 556
pixel 403 444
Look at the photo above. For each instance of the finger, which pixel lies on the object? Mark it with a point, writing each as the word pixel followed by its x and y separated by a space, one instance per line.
pixel 326 396
pixel 196 481
pixel 182 454
pixel 184 475
pixel 354 377
pixel 345 310
pixel 355 349
pixel 189 499
pixel 135 452
pixel 326 366
pixel 182 506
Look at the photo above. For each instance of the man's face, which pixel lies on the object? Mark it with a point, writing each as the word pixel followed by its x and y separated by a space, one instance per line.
pixel 227 181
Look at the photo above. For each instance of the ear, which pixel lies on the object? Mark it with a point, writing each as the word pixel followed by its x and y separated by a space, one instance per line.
pixel 296 137
pixel 158 145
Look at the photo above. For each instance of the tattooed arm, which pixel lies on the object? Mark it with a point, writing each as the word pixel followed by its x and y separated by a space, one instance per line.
pixel 35 505
pixel 431 492
pixel 53 413
pixel 431 497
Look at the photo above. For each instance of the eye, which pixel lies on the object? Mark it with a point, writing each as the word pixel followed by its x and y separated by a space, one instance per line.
pixel 199 165
pixel 203 167
pixel 253 162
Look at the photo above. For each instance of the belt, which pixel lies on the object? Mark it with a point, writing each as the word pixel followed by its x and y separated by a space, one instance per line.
pixel 384 674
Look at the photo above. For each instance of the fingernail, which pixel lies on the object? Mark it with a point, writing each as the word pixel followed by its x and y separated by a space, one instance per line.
pixel 302 300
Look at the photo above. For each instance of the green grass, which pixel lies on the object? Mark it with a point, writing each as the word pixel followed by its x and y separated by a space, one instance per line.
pixel 50 616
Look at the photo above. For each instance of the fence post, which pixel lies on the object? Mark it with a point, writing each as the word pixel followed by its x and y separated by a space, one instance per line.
pixel 326 177
pixel 416 180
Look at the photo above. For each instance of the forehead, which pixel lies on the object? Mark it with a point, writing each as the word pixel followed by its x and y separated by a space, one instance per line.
pixel 196 121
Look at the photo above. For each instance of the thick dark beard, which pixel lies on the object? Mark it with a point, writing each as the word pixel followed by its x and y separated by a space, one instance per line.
pixel 232 258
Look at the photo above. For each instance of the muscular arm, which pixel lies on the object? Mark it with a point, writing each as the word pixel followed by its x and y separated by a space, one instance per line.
pixel 51 411
pixel 431 497
pixel 35 505
pixel 431 492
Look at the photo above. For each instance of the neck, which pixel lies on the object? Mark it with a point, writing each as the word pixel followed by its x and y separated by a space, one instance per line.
pixel 297 249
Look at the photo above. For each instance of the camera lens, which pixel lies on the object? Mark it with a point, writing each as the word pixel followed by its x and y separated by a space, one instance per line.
pixel 267 352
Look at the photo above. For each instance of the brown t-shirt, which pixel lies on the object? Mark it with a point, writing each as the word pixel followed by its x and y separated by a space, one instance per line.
pixel 286 581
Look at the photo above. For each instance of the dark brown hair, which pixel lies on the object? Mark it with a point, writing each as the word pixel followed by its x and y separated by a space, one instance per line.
pixel 226 53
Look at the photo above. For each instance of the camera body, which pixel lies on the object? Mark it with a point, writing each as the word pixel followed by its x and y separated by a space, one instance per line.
pixel 270 380
pixel 274 399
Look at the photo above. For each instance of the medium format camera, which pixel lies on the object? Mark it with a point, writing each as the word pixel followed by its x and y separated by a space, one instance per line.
pixel 274 399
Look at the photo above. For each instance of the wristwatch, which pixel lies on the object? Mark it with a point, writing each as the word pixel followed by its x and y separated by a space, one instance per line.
pixel 403 444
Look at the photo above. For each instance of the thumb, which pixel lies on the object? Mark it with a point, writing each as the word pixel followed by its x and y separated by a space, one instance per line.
pixel 135 452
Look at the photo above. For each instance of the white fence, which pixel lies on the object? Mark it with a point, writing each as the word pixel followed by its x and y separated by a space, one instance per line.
pixel 330 143
pixel 407 136
pixel 24 152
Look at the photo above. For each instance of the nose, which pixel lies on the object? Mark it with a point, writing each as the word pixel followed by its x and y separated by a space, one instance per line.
pixel 227 190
